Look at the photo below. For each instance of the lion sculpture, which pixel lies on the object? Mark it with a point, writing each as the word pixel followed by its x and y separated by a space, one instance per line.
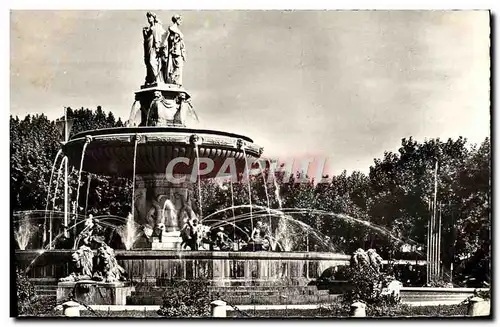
pixel 107 268
pixel 364 259
pixel 375 259
pixel 82 265
pixel 360 259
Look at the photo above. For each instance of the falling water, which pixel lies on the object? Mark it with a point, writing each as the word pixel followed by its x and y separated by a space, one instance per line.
pixel 89 178
pixel 48 195
pixel 248 184
pixel 133 173
pixel 232 204
pixel 196 151
pixel 55 197
pixel 133 112
pixel 283 233
pixel 265 189
pixel 276 190
pixel 171 209
pixel 57 182
pixel 87 141
pixel 24 232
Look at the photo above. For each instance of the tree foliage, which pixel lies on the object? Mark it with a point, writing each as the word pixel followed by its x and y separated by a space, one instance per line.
pixel 35 141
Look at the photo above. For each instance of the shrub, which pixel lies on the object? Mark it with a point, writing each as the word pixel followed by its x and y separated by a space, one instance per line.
pixel 28 302
pixel 26 294
pixel 187 299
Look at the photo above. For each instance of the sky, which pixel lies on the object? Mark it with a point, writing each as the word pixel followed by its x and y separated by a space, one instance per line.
pixel 341 85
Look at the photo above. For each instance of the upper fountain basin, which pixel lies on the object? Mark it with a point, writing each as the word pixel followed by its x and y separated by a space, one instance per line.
pixel 110 151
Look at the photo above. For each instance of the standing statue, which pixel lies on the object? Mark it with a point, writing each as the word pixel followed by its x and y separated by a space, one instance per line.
pixel 154 44
pixel 189 233
pixel 176 55
pixel 260 237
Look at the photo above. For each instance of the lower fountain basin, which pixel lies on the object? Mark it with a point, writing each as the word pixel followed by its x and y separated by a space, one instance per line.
pixel 111 151
pixel 220 267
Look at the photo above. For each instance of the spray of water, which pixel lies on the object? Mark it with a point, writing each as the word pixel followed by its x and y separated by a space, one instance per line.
pixel 247 169
pixel 302 228
pixel 24 232
pixel 136 141
pixel 133 112
pixel 87 142
pixel 265 188
pixel 284 213
pixel 129 232
pixel 197 152
pixel 59 172
pixel 283 233
pixel 277 191
pixel 42 251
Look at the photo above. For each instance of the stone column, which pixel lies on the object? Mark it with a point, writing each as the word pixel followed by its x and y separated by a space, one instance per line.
pixel 161 206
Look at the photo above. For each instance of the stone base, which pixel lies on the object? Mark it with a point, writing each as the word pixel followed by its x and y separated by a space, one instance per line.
pixel 92 292
pixel 170 241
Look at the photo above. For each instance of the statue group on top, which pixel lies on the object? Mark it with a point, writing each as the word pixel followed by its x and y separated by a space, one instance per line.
pixel 164 51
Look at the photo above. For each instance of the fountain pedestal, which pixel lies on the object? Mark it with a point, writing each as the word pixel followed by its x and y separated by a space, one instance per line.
pixel 161 205
pixel 169 241
pixel 92 292
pixel 162 105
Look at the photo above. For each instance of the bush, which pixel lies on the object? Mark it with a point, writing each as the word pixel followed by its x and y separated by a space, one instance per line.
pixel 26 294
pixel 187 299
pixel 367 285
pixel 28 302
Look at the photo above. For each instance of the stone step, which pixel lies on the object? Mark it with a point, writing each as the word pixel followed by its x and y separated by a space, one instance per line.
pixel 237 298
pixel 245 292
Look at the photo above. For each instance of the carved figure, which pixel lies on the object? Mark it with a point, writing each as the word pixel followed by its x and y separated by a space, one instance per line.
pixel 162 111
pixel 375 259
pixel 82 265
pixel 154 43
pixel 176 52
pixel 222 240
pixel 367 259
pixel 189 233
pixel 107 268
pixel 360 259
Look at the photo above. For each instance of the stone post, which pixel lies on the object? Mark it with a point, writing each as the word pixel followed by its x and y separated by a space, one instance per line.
pixel 71 309
pixel 218 309
pixel 358 309
pixel 478 307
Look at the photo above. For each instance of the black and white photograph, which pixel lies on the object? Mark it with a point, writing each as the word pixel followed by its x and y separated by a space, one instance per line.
pixel 242 164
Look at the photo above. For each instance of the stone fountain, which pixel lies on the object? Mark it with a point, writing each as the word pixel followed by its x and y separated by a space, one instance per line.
pixel 149 152
pixel 161 153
